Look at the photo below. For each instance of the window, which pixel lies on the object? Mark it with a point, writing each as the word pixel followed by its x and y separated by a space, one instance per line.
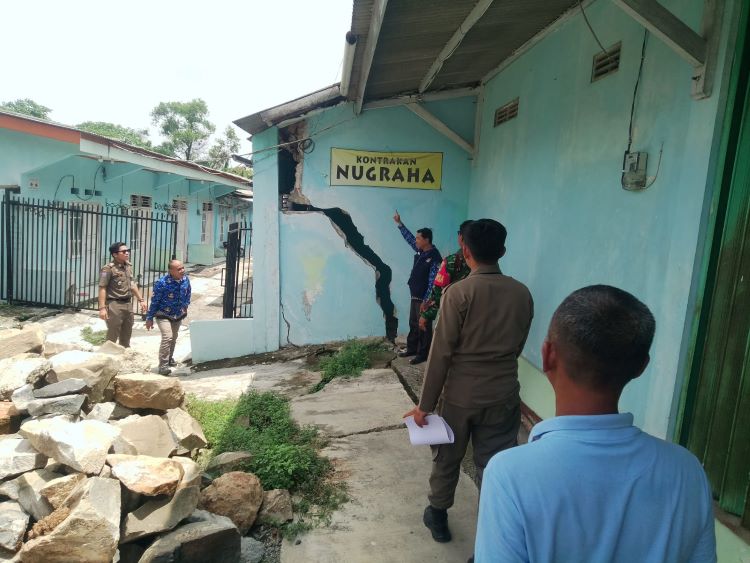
pixel 179 205
pixel 506 112
pixel 75 234
pixel 140 201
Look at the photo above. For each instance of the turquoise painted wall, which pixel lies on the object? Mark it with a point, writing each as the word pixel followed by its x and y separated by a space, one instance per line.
pixel 328 292
pixel 552 176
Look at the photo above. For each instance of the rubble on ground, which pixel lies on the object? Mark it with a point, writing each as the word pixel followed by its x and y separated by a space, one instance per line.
pixel 95 465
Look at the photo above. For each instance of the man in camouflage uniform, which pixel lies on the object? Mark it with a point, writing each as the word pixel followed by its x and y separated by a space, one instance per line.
pixel 116 290
pixel 454 268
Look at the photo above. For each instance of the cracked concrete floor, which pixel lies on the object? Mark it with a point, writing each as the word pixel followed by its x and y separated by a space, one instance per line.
pixel 387 479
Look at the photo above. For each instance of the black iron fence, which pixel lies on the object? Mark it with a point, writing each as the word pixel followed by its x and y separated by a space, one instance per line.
pixel 238 274
pixel 52 252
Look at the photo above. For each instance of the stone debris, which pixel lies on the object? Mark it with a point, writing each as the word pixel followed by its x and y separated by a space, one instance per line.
pixel 104 412
pixel 236 495
pixel 186 429
pixel 22 396
pixel 228 461
pixel 97 370
pixel 149 435
pixel 14 342
pixel 82 445
pixel 207 538
pixel 10 418
pixel 146 475
pixel 16 371
pixel 276 507
pixel 156 516
pixel 67 404
pixel 18 455
pixel 58 490
pixel 13 523
pixel 89 534
pixel 29 492
pixel 65 387
pixel 148 391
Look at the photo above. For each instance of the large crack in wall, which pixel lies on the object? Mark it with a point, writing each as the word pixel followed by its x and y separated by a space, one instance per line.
pixel 290 190
pixel 345 226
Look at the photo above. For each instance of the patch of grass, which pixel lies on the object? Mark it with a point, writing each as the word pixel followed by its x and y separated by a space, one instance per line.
pixel 285 455
pixel 95 337
pixel 349 361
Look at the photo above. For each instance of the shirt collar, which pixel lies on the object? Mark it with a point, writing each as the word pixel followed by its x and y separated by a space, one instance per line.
pixel 582 422
pixel 486 269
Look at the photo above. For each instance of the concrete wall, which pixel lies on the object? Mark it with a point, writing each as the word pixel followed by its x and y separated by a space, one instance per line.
pixel 552 176
pixel 328 291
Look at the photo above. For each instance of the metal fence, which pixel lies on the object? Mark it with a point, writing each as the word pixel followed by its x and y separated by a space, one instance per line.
pixel 238 274
pixel 53 251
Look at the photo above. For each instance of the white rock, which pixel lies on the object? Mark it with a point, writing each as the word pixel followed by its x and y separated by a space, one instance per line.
pixel 186 429
pixel 18 455
pixel 81 445
pixel 105 412
pixel 97 370
pixel 191 476
pixel 22 396
pixel 146 475
pixel 111 348
pixel 13 523
pixel 17 371
pixel 89 534
pixel 149 435
pixel 15 342
pixel 160 515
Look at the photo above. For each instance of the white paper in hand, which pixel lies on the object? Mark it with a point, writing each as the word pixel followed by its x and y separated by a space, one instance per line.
pixel 435 432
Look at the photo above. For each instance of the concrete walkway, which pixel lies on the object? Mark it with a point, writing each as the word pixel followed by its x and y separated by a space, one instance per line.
pixel 387 479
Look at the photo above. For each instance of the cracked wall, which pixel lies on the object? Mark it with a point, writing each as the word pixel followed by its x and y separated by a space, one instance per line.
pixel 343 264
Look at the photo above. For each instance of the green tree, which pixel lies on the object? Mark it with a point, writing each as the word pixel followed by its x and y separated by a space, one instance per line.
pixel 137 137
pixel 185 126
pixel 241 170
pixel 220 154
pixel 27 106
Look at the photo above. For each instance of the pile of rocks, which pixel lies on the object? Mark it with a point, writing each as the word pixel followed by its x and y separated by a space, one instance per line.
pixel 96 466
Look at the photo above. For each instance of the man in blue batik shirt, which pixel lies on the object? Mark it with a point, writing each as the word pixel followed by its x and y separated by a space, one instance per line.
pixel 590 486
pixel 169 305
pixel 426 264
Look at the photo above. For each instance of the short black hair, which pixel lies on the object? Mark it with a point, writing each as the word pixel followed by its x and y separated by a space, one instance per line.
pixel 114 247
pixel 462 228
pixel 603 335
pixel 486 240
pixel 426 233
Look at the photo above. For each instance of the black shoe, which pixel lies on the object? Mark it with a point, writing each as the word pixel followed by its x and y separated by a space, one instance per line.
pixel 417 360
pixel 406 354
pixel 436 520
pixel 172 363
pixel 470 560
pixel 164 370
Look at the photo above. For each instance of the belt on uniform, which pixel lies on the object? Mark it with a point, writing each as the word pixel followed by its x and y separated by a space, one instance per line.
pixel 122 300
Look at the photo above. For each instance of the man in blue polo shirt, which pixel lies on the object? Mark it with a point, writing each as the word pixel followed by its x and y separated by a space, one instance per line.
pixel 169 304
pixel 590 486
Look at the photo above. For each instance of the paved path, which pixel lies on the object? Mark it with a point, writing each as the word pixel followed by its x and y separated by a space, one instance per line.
pixel 387 480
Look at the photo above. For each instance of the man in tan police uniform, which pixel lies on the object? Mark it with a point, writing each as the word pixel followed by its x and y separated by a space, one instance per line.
pixel 116 290
pixel 473 367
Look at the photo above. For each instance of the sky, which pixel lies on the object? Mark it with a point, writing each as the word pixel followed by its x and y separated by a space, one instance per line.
pixel 92 60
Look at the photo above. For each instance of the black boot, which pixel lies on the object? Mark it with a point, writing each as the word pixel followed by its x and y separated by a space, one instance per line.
pixel 436 519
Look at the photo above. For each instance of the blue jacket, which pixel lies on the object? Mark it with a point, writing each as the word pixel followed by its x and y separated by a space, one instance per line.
pixel 170 298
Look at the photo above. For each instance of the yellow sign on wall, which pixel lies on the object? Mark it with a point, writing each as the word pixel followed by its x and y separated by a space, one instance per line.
pixel 416 170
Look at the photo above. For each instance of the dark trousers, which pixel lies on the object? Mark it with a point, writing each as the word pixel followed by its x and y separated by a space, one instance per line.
pixel 418 341
pixel 490 429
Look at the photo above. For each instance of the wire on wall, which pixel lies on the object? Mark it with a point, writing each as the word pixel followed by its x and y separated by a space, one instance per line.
pixel 635 89
pixel 59 182
pixel 591 29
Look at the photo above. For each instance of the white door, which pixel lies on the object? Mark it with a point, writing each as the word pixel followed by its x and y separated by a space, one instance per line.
pixel 180 205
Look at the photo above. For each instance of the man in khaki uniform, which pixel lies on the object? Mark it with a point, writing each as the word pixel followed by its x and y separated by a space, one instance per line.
pixel 116 290
pixel 484 321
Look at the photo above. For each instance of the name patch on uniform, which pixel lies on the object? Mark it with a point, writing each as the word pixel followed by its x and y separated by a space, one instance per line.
pixel 413 170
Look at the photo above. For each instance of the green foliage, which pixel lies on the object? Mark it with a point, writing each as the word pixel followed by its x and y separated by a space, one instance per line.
pixel 285 456
pixel 185 126
pixel 137 137
pixel 244 171
pixel 97 338
pixel 349 361
pixel 220 154
pixel 27 106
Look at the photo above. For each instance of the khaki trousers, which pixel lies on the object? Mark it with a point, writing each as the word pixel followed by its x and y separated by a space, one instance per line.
pixel 119 322
pixel 169 330
pixel 491 429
